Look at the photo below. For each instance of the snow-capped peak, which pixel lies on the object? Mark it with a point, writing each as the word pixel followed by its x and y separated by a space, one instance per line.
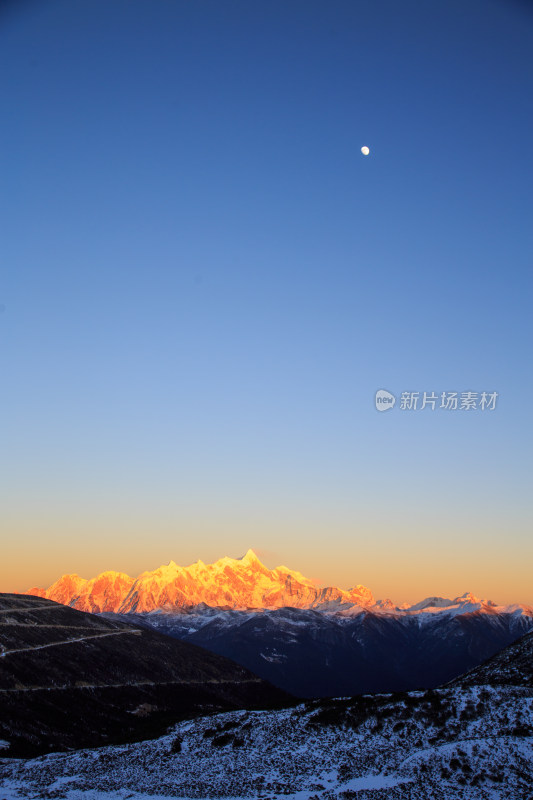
pixel 250 558
pixel 467 597
pixel 430 602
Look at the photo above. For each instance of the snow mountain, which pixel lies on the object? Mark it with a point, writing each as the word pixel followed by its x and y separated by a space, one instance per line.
pixel 308 641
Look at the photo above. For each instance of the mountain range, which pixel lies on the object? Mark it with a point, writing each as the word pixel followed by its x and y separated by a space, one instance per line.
pixel 238 584
pixel 71 679
pixel 305 640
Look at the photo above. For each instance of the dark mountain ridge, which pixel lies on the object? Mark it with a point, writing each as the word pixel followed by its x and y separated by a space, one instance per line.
pixel 512 666
pixel 312 653
pixel 72 679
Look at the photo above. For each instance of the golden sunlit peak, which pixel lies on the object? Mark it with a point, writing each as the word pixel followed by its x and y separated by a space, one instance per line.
pixel 164 569
pixel 250 558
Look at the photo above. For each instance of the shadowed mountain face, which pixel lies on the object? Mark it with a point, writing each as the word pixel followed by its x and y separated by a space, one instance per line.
pixel 315 654
pixel 71 679
pixel 513 666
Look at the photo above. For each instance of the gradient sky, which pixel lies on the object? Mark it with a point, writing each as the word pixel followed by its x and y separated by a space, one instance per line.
pixel 204 282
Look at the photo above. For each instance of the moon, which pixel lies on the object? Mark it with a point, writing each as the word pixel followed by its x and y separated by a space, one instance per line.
pixel 365 150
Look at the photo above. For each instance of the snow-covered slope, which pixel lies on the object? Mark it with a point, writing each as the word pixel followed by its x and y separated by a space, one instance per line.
pixel 455 744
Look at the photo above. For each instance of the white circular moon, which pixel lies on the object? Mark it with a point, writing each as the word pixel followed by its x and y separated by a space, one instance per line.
pixel 365 150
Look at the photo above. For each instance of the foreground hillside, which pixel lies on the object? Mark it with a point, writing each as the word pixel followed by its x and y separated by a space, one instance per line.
pixel 472 742
pixel 71 679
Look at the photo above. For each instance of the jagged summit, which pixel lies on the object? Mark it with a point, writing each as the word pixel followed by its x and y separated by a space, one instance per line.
pixel 250 557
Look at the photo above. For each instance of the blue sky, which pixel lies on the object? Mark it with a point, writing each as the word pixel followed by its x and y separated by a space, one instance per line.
pixel 204 282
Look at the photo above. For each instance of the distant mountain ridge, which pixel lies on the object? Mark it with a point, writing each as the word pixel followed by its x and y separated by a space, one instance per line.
pixel 314 653
pixel 239 584
pixel 512 666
